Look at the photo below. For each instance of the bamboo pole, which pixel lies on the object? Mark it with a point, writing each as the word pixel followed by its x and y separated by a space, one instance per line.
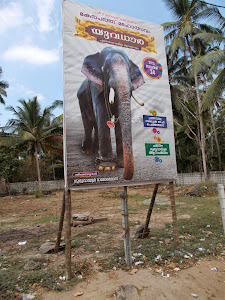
pixel 126 228
pixel 68 233
pixel 174 215
pixel 59 235
pixel 145 230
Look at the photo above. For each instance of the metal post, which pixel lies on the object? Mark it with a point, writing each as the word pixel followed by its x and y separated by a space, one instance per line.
pixel 68 233
pixel 174 215
pixel 145 230
pixel 222 203
pixel 126 228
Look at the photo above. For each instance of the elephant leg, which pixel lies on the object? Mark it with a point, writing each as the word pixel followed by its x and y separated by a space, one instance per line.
pixel 88 117
pixel 105 160
pixel 87 139
pixel 95 145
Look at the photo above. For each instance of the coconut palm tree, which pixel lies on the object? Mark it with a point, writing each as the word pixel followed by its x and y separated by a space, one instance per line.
pixel 3 86
pixel 213 65
pixel 188 14
pixel 187 132
pixel 36 128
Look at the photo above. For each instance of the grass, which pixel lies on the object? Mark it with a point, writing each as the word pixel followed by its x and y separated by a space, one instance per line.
pixel 200 235
pixel 32 222
pixel 13 277
pixel 44 220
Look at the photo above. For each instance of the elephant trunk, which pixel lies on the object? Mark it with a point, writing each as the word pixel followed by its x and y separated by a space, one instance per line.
pixel 125 123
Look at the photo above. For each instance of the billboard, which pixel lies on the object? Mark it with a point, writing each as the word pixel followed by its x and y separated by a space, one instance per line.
pixel 118 124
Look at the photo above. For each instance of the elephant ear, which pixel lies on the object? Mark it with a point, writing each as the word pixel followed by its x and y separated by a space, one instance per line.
pixel 91 68
pixel 136 77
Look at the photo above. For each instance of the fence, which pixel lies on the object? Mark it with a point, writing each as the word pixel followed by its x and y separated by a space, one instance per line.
pixel 29 187
pixel 193 178
pixel 182 179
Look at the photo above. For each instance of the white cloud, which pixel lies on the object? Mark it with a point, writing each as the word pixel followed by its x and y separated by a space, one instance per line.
pixel 40 97
pixel 31 94
pixel 44 11
pixel 11 16
pixel 32 54
pixel 29 21
pixel 17 88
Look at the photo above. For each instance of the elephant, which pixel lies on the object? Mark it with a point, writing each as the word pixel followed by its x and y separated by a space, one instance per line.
pixel 104 99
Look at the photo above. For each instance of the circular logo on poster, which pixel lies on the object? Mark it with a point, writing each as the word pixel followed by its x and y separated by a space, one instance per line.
pixel 152 68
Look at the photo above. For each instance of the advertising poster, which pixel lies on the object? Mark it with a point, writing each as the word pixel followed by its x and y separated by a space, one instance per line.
pixel 118 123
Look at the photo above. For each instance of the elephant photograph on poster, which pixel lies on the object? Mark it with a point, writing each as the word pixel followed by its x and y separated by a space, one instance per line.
pixel 105 102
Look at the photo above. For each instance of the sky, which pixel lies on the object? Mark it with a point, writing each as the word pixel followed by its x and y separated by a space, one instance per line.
pixel 31 44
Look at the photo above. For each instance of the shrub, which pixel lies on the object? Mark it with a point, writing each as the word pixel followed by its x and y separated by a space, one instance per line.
pixel 37 192
pixel 24 190
pixel 13 192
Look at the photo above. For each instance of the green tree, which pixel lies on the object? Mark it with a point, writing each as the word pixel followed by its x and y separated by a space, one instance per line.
pixel 188 14
pixel 212 67
pixel 3 86
pixel 36 128
pixel 213 63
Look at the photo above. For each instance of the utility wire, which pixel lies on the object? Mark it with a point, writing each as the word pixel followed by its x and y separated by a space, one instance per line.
pixel 212 4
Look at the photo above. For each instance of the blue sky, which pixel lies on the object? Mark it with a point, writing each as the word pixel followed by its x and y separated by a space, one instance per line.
pixel 31 44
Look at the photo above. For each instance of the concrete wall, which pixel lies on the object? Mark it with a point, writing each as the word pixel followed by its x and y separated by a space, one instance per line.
pixel 182 179
pixel 31 186
pixel 193 178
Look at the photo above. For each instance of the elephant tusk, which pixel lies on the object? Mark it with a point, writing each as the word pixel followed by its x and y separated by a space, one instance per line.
pixel 111 96
pixel 141 104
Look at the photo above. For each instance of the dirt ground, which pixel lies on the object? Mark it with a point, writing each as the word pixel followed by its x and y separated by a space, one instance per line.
pixel 196 282
pixel 35 220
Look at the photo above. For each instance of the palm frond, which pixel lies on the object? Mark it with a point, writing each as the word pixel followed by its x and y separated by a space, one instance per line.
pixel 57 103
pixel 54 149
pixel 214 91
pixel 28 136
pixel 210 37
pixel 216 58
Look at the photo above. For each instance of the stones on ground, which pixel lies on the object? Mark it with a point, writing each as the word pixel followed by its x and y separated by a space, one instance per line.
pixel 32 265
pixel 138 233
pixel 49 247
pixel 127 292
pixel 80 217
pixel 81 220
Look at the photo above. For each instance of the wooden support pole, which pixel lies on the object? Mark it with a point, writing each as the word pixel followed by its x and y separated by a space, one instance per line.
pixel 68 233
pixel 59 235
pixel 174 216
pixel 145 230
pixel 126 228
